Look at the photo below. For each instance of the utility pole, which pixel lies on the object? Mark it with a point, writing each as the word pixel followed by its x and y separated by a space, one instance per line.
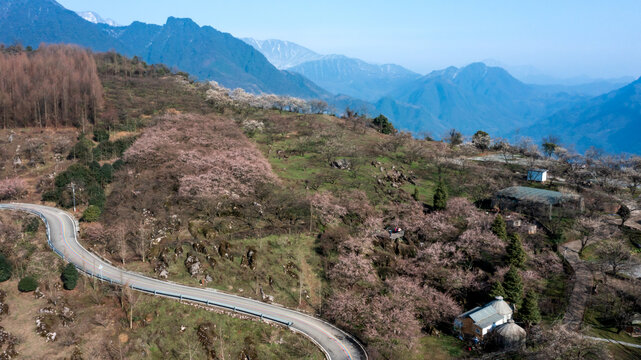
pixel 73 192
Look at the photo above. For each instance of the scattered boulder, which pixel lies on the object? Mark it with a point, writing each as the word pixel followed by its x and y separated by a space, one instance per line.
pixel 266 298
pixel 179 250
pixel 11 341
pixel 67 316
pixel 163 274
pixel 341 164
pixel 167 256
pixel 193 265
pixel 199 247
pixel 161 269
pixel 208 278
pixel 291 269
pixel 223 250
pixel 38 293
pixel 44 327
pixel 212 262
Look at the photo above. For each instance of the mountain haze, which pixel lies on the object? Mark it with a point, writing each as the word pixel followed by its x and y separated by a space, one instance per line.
pixel 283 54
pixel 336 73
pixel 611 122
pixel 475 97
pixel 342 75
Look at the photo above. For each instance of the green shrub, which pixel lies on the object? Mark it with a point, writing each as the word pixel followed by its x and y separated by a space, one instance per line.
pixel 82 150
pixel 51 195
pixel 100 135
pixel 105 176
pixel 31 225
pixel 77 173
pixel 108 150
pixel 91 214
pixel 96 195
pixel 94 167
pixel 27 284
pixel 5 268
pixel 383 124
pixel 69 276
pixel 118 164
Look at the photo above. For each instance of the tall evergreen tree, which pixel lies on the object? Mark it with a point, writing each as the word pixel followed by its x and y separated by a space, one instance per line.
pixel 515 253
pixel 499 228
pixel 497 290
pixel 529 313
pixel 513 285
pixel 69 276
pixel 440 197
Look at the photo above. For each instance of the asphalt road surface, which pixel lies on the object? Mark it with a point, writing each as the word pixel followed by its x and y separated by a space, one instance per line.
pixel 62 237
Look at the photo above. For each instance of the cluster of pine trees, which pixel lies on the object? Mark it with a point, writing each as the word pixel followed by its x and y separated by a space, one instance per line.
pixel 56 85
pixel 512 286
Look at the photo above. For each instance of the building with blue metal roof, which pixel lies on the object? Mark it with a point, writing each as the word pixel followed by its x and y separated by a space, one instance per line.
pixel 477 322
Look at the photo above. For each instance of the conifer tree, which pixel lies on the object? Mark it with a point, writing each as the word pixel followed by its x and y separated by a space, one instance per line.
pixel 440 197
pixel 513 285
pixel 499 228
pixel 497 290
pixel 70 276
pixel 529 313
pixel 515 253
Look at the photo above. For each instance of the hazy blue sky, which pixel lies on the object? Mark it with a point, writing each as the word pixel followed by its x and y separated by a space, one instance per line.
pixel 562 38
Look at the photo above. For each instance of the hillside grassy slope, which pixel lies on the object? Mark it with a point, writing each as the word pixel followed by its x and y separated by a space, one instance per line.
pixel 296 209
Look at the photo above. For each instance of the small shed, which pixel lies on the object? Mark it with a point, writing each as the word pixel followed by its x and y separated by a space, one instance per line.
pixel 510 335
pixel 538 202
pixel 538 175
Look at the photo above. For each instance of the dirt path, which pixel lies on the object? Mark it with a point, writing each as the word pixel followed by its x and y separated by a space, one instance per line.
pixel 582 285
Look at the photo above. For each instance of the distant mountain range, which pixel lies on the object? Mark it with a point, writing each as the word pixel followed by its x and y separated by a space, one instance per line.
pixel 202 51
pixel 475 97
pixel 93 17
pixel 581 85
pixel 471 98
pixel 283 54
pixel 336 73
pixel 611 122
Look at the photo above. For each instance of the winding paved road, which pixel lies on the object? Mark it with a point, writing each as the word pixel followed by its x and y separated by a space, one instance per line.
pixel 62 232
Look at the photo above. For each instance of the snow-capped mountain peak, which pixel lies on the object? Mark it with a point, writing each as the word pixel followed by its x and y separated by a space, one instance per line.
pixel 95 18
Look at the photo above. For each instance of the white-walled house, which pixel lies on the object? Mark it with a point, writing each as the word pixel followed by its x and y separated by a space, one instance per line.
pixel 538 175
pixel 477 322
